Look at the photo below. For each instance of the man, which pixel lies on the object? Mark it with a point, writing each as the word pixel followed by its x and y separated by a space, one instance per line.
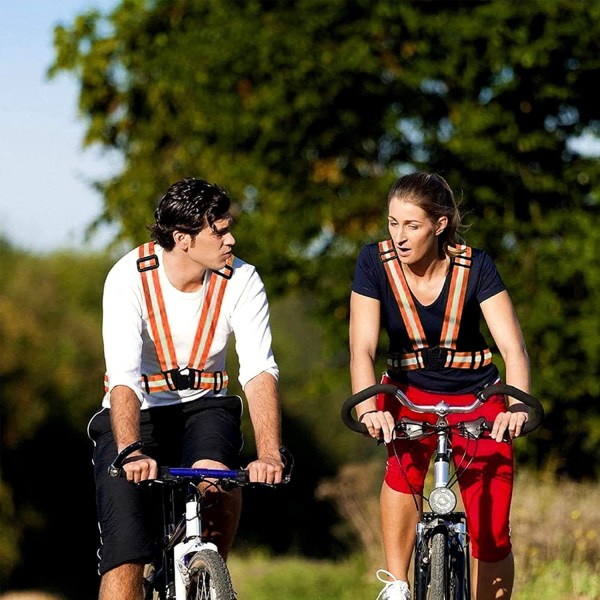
pixel 169 309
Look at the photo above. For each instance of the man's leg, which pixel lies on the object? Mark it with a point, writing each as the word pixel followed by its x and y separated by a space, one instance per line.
pixel 221 517
pixel 122 583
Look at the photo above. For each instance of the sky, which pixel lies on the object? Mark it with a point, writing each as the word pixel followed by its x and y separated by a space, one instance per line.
pixel 46 202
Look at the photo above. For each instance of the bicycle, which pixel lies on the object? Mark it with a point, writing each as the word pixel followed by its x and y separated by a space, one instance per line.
pixel 184 565
pixel 441 552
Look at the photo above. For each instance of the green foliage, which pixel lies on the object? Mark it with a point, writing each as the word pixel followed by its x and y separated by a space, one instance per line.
pixel 50 321
pixel 307 111
pixel 51 373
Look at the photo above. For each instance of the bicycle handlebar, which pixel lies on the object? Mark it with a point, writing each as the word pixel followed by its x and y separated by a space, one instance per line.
pixel 238 476
pixel 536 414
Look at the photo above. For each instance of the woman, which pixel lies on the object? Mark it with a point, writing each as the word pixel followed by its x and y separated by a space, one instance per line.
pixel 429 293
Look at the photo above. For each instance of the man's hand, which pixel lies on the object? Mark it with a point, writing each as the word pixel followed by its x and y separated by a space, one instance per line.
pixel 139 467
pixel 266 469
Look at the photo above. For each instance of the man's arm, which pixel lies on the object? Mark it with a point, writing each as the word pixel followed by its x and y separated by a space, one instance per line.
pixel 265 413
pixel 125 421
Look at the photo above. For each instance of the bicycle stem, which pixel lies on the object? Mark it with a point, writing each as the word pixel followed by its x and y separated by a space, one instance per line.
pixel 441 473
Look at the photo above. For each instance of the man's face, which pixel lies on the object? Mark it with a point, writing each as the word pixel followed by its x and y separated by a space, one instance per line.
pixel 212 247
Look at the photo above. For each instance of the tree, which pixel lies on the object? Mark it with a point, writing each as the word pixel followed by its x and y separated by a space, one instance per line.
pixel 308 110
pixel 51 373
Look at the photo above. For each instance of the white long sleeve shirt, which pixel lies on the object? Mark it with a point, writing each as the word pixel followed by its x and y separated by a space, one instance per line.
pixel 129 348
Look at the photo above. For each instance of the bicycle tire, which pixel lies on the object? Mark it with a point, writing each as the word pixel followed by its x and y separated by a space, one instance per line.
pixel 438 583
pixel 209 577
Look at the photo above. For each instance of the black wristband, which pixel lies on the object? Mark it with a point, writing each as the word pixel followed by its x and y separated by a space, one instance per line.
pixel 365 413
pixel 115 468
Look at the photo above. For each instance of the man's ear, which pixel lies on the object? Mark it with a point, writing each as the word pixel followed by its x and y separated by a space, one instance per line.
pixel 181 239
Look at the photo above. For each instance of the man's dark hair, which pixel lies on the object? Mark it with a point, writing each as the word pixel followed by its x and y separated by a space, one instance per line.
pixel 189 206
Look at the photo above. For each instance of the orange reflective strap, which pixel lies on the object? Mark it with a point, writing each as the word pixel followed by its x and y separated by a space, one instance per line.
pixel 205 381
pixel 453 359
pixel 445 355
pixel 157 312
pixel 209 316
pixel 158 383
pixel 192 376
pixel 399 285
pixel 456 297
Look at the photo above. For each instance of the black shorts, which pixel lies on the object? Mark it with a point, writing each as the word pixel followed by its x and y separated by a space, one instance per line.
pixel 207 428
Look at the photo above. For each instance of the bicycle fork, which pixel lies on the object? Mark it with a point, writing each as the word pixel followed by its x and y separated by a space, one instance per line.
pixel 191 543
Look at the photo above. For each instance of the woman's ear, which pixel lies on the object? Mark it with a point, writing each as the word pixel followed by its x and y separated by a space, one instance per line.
pixel 441 224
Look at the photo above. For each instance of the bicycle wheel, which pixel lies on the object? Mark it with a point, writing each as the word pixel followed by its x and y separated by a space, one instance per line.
pixel 209 577
pixel 438 583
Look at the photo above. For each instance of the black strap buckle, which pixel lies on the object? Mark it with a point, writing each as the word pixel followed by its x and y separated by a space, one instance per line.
pixel 147 263
pixel 434 359
pixel 183 379
pixel 218 383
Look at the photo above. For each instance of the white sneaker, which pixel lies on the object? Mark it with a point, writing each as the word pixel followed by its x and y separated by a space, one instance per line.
pixel 394 589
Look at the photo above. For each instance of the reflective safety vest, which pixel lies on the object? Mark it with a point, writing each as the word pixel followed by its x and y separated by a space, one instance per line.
pixel 171 377
pixel 445 354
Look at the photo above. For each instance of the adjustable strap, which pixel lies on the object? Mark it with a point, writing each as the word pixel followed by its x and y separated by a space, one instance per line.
pixel 209 316
pixel 157 312
pixel 404 298
pixel 438 358
pixel 171 376
pixel 457 293
pixel 445 355
pixel 184 379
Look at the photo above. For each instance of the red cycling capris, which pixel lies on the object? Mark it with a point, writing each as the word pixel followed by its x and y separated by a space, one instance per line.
pixel 486 467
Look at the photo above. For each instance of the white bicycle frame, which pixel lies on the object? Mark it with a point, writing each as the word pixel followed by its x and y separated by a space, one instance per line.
pixel 184 550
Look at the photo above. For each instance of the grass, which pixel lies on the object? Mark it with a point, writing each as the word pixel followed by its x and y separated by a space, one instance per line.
pixel 555 531
pixel 261 577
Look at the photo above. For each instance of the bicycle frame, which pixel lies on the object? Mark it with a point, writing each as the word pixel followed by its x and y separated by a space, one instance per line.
pixel 182 539
pixel 441 551
pixel 186 566
pixel 442 523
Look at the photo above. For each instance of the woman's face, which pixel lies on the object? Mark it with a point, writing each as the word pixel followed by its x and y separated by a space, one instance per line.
pixel 413 232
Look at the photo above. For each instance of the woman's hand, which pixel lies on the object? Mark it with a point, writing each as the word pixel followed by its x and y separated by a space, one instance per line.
pixel 511 421
pixel 379 423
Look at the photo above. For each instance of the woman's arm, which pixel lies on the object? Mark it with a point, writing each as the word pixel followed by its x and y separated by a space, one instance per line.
pixel 502 321
pixel 364 338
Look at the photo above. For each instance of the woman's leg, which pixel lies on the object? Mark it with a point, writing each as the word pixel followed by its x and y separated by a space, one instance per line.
pixel 399 517
pixel 494 580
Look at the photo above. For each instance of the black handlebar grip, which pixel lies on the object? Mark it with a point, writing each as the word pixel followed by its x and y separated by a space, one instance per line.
pixel 288 463
pixel 350 403
pixel 536 414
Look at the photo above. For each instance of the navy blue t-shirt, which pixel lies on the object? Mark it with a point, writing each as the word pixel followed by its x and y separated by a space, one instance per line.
pixel 370 280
